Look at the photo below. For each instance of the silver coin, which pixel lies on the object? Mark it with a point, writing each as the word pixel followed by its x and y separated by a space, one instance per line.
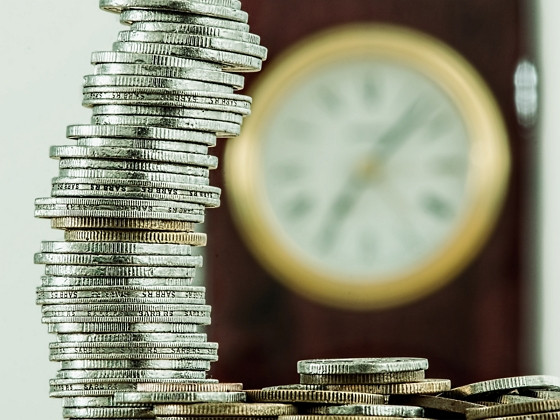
pixel 116 374
pixel 198 41
pixel 117 271
pixel 148 236
pixel 106 320
pixel 174 146
pixel 113 282
pixel 123 165
pixel 113 309
pixel 178 397
pixel 209 76
pixel 134 294
pixel 220 128
pixel 131 16
pixel 130 337
pixel 118 259
pixel 95 80
pixel 230 61
pixel 121 327
pixel 172 365
pixel 176 353
pixel 119 208
pixel 108 57
pixel 108 413
pixel 134 175
pixel 140 132
pixel 372 410
pixel 187 6
pixel 194 29
pixel 361 365
pixel 104 401
pixel 115 248
pixel 164 156
pixel 167 112
pixel 62 390
pixel 118 95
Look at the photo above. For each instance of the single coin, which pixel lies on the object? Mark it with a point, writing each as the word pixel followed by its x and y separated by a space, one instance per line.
pixel 192 40
pixel 131 16
pixel 116 308
pixel 342 417
pixel 66 390
pixel 178 397
pixel 115 282
pixel 151 155
pixel 121 327
pixel 369 410
pixel 162 111
pixel 108 322
pixel 118 259
pixel 131 165
pixel 542 393
pixel 503 384
pixel 173 146
pixel 190 238
pixel 361 365
pixel 110 57
pixel 514 398
pixel 116 374
pixel 224 409
pixel 138 175
pixel 141 132
pixel 220 128
pixel 136 248
pixel 426 386
pixel 117 271
pixel 366 378
pixel 311 396
pixel 165 365
pixel 133 337
pixel 204 30
pixel 121 224
pixel 108 413
pixel 185 6
pixel 230 61
pixel 189 387
pixel 431 402
pixel 95 80
pixel 139 355
pixel 104 401
pixel 513 409
pixel 193 73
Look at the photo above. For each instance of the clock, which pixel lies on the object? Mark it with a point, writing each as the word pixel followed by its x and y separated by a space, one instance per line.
pixel 372 168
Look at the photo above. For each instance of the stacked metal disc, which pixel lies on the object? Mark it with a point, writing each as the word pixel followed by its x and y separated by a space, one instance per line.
pixel 118 290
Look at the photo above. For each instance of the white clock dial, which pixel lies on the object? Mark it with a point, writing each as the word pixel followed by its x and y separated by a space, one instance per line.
pixel 365 167
pixel 372 168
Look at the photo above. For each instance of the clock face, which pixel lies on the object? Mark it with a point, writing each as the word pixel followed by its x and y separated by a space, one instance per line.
pixel 371 169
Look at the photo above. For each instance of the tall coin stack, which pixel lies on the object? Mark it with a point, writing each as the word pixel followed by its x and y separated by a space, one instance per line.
pixel 118 291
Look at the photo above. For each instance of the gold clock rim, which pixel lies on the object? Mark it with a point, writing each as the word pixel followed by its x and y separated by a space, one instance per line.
pixel 490 165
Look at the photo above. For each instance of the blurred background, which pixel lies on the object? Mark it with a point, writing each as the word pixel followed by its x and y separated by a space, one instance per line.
pixel 497 316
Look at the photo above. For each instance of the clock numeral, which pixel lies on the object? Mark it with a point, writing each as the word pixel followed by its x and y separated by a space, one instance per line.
pixel 437 206
pixel 370 90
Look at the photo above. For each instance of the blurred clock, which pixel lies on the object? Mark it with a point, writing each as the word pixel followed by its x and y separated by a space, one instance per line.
pixel 372 168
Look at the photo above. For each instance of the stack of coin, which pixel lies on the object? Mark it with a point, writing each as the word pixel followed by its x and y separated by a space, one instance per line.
pixel 118 292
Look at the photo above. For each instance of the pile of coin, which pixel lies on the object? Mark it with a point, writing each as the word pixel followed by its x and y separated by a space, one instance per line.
pixel 118 291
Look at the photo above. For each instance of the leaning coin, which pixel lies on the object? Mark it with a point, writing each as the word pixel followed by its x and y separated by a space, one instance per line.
pixel 191 238
pixel 342 417
pixel 189 387
pixel 310 396
pixel 134 337
pixel 208 76
pixel 108 413
pixel 503 384
pixel 542 393
pixel 365 378
pixel 204 30
pixel 426 386
pixel 115 282
pixel 163 111
pixel 121 327
pixel 189 6
pixel 171 365
pixel 224 409
pixel 129 165
pixel 431 402
pixel 136 248
pixel 125 153
pixel 117 271
pixel 141 132
pixel 131 16
pixel 115 374
pixel 95 80
pixel 530 407
pixel 139 175
pixel 109 57
pixel 178 397
pixel 370 410
pixel 191 40
pixel 230 61
pixel 172 146
pixel 361 365
pixel 220 128
pixel 112 223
